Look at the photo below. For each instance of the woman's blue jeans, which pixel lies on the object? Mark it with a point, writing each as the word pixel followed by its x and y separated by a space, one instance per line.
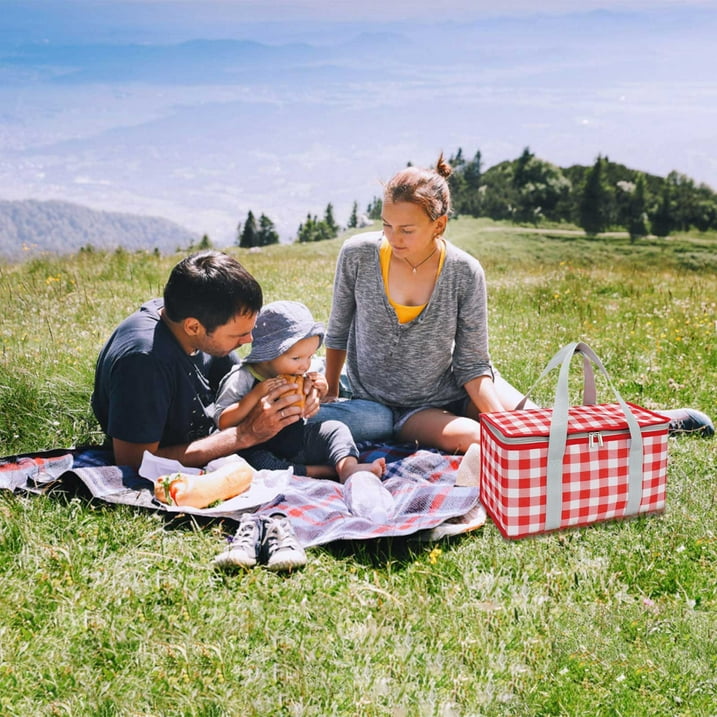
pixel 367 420
pixel 372 421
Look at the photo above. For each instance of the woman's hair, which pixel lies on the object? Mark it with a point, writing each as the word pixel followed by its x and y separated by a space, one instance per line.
pixel 211 287
pixel 428 188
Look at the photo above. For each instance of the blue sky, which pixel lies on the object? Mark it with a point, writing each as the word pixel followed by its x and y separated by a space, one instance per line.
pixel 200 111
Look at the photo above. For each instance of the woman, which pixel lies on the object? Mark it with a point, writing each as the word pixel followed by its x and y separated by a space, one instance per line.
pixel 409 322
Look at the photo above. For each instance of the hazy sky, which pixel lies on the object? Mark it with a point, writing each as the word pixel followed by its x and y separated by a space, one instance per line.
pixel 104 103
pixel 382 10
pixel 226 17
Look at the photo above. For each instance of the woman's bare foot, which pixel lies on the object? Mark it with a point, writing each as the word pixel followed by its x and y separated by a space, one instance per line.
pixel 348 466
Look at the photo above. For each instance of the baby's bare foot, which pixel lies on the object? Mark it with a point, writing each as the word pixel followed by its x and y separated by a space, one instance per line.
pixel 349 467
pixel 378 467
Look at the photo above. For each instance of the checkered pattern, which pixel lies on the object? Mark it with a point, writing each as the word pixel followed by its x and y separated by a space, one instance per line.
pixel 514 459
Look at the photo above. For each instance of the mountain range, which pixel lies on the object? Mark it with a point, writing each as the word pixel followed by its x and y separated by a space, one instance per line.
pixel 31 227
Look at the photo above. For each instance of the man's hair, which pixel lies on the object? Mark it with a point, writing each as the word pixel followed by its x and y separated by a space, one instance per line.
pixel 211 287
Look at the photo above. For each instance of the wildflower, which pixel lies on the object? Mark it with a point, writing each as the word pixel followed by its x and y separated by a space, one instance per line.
pixel 434 555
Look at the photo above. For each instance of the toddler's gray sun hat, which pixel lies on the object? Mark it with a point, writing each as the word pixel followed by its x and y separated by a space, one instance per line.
pixel 278 327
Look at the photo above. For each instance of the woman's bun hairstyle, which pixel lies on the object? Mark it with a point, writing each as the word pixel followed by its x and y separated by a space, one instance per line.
pixel 428 188
pixel 443 168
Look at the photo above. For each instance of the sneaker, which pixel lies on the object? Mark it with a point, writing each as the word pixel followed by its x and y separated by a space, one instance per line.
pixel 688 420
pixel 243 550
pixel 280 546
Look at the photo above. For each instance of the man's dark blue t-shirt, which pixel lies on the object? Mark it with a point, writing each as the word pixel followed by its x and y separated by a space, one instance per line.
pixel 147 389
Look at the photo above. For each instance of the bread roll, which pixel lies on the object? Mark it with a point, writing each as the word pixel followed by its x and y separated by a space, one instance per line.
pixel 298 381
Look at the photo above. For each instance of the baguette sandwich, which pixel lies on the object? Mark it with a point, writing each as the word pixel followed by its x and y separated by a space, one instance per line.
pixel 200 491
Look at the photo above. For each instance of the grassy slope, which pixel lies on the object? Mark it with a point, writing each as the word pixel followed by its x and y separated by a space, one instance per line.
pixel 109 611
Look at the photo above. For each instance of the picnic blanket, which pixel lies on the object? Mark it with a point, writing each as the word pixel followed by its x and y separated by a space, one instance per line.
pixel 424 499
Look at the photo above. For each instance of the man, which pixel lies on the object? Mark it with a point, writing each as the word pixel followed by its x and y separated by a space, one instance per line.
pixel 157 376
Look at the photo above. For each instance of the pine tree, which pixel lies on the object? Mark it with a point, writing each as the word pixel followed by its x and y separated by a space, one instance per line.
pixel 521 175
pixel 457 160
pixel 463 191
pixel 662 221
pixel 375 208
pixel 595 200
pixel 458 186
pixel 267 233
pixel 353 219
pixel 307 230
pixel 248 237
pixel 473 172
pixel 637 224
pixel 331 225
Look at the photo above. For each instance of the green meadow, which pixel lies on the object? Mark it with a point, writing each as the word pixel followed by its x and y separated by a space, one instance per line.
pixel 111 611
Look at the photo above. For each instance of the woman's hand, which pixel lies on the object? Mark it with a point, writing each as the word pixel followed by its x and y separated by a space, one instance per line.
pixel 483 396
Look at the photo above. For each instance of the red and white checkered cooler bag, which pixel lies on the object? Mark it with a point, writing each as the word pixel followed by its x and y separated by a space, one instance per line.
pixel 545 469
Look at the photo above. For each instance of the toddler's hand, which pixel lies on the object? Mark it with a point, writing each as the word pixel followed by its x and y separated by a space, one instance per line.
pixel 269 384
pixel 319 382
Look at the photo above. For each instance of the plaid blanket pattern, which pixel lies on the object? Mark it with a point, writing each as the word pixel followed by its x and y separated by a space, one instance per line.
pixel 31 471
pixel 595 467
pixel 421 483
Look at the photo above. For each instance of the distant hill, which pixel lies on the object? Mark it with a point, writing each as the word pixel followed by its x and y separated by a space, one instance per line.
pixel 30 227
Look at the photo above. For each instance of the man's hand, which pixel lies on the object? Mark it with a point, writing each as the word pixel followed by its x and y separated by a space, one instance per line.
pixel 270 414
pixel 267 417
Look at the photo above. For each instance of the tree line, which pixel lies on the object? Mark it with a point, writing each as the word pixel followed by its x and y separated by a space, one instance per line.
pixel 602 197
pixel 252 233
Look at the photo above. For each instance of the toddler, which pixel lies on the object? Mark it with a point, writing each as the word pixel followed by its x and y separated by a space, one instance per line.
pixel 285 339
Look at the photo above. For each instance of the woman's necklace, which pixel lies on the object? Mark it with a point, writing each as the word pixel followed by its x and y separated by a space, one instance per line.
pixel 420 263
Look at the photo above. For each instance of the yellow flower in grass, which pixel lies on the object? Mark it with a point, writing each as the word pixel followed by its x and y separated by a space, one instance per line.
pixel 434 555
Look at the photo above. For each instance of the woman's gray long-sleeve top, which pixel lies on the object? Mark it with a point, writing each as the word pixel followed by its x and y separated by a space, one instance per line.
pixel 424 362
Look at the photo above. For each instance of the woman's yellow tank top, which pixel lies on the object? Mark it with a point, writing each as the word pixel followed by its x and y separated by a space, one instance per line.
pixel 404 313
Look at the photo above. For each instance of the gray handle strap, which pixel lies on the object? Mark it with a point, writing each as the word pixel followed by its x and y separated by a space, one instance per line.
pixel 559 433
pixel 589 394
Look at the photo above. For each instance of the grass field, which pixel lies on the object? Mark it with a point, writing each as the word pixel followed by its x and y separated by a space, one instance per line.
pixel 110 611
